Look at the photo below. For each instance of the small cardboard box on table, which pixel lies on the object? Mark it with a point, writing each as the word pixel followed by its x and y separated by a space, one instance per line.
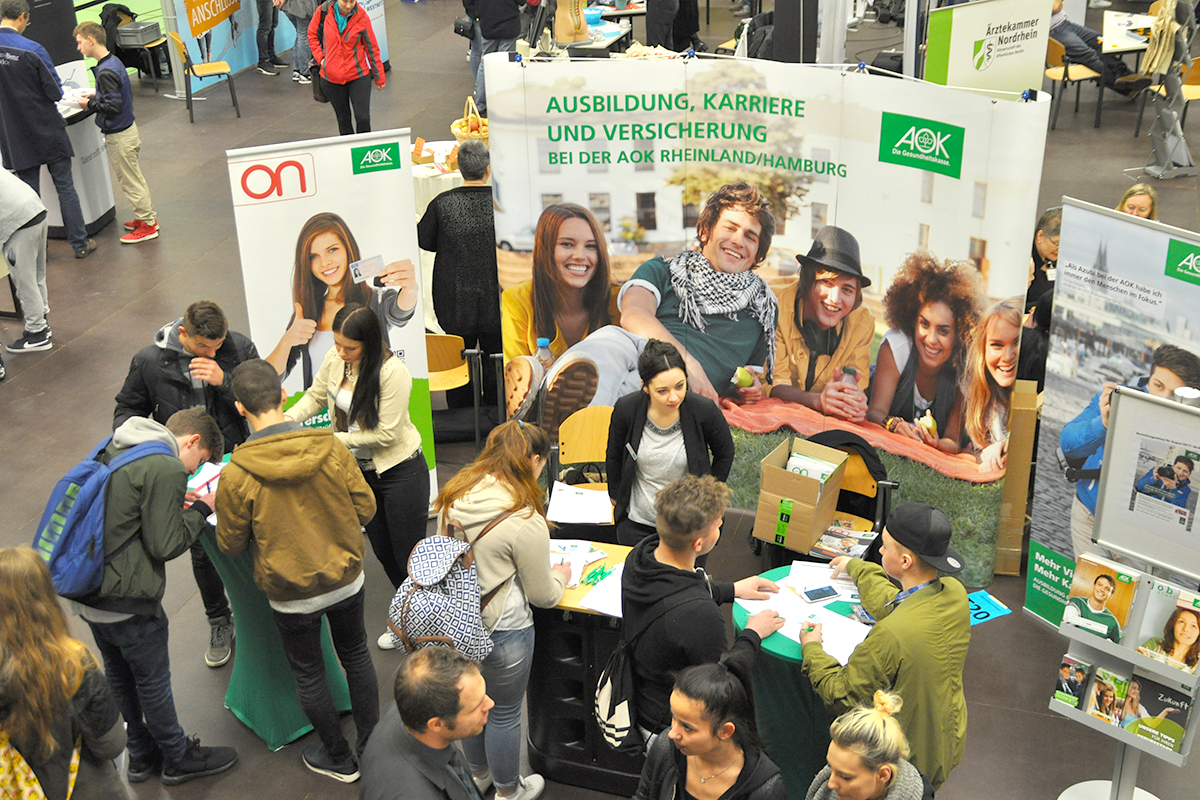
pixel 813 504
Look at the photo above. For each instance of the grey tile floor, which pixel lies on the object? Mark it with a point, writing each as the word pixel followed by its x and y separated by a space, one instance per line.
pixel 54 405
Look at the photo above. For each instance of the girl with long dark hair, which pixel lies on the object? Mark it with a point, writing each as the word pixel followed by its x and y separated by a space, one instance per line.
pixel 658 435
pixel 366 391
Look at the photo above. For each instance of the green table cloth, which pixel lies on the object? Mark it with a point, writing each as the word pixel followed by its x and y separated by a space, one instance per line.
pixel 262 691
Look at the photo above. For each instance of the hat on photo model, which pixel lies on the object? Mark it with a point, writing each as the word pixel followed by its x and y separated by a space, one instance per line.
pixel 926 531
pixel 835 249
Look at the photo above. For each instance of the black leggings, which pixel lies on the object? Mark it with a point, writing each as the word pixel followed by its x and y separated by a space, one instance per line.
pixel 402 508
pixel 342 95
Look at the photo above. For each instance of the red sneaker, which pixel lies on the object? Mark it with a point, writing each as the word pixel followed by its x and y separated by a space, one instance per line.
pixel 131 224
pixel 141 232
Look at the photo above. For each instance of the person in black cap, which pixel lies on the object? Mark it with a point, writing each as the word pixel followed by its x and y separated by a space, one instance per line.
pixel 823 340
pixel 918 644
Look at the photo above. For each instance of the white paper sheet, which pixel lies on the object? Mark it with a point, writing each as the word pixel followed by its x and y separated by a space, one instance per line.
pixel 570 504
pixel 204 481
pixel 841 634
pixel 605 597
pixel 578 553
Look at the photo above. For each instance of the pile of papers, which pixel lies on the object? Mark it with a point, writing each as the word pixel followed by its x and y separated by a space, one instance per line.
pixel 841 631
pixel 578 553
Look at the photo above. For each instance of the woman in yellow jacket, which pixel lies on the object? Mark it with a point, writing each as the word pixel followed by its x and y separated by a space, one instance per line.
pixel 366 391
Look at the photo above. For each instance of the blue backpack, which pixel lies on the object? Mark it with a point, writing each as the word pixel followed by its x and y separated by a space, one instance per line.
pixel 70 537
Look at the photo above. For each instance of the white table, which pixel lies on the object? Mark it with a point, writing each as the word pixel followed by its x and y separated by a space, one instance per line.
pixel 1116 35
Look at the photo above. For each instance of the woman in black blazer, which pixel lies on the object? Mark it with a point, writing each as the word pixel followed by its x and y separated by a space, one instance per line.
pixel 659 435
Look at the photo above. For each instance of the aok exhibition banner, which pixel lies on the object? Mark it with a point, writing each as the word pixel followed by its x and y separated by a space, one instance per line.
pixel 902 165
pixel 1125 287
pixel 990 44
pixel 224 30
pixel 315 220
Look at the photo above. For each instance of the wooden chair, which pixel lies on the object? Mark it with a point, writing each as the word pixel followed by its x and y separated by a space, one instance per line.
pixel 583 439
pixel 1061 71
pixel 1191 91
pixel 452 365
pixel 212 69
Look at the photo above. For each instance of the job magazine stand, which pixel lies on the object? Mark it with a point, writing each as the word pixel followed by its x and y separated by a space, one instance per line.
pixel 1133 412
pixel 1124 658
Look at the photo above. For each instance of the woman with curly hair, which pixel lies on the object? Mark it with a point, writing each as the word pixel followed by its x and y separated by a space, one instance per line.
pixel 988 381
pixel 59 725
pixel 932 307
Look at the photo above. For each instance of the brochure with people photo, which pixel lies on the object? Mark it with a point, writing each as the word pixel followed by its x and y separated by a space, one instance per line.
pixel 1101 596
pixel 1106 701
pixel 839 541
pixel 1156 712
pixel 1071 682
pixel 1170 630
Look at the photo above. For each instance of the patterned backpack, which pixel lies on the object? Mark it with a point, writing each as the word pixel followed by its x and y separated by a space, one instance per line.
pixel 439 602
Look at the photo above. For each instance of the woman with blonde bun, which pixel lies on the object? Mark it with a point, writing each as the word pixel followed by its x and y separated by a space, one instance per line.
pixel 868 757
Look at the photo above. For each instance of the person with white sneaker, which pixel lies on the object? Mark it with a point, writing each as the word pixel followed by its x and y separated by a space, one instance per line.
pixel 441 698
pixel 23 242
pixel 300 13
pixel 112 103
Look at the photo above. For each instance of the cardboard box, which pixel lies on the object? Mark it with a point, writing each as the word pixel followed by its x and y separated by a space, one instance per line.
pixel 813 506
pixel 1024 407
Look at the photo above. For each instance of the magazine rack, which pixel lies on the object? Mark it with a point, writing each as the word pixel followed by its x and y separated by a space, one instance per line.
pixel 1104 653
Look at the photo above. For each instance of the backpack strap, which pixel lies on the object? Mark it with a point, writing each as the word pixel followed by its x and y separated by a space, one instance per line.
pixel 452 527
pixel 128 457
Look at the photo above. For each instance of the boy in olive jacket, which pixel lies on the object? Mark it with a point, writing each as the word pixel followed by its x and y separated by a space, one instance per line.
pixel 296 499
pixel 918 646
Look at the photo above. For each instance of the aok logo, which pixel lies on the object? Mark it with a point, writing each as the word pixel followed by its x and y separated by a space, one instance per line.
pixel 921 144
pixel 1183 261
pixel 375 157
pixel 273 179
pixel 985 53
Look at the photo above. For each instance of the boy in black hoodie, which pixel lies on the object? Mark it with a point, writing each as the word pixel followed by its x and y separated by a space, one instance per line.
pixel 671 606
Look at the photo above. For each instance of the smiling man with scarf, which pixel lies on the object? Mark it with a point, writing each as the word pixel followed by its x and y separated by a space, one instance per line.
pixel 708 303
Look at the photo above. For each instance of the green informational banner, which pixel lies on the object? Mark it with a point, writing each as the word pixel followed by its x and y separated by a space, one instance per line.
pixel 990 44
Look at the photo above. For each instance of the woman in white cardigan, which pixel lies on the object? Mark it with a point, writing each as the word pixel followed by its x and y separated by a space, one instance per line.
pixel 366 390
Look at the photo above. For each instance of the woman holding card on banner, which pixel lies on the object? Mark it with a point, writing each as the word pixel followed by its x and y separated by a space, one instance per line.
pixel 932 307
pixel 347 55
pixel 366 391
pixel 658 435
pixel 497 501
pixel 323 281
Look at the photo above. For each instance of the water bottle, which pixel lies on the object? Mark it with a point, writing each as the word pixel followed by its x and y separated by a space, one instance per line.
pixel 543 355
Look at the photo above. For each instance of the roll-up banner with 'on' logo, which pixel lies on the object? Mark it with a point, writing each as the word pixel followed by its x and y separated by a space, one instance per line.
pixel 306 213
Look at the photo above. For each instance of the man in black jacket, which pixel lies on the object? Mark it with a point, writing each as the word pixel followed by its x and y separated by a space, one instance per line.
pixel 671 607
pixel 497 27
pixel 189 365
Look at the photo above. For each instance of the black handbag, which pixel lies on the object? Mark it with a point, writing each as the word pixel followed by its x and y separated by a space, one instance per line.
pixel 465 27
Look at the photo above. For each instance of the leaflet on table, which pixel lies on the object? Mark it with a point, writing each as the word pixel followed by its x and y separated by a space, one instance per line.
pixel 841 633
pixel 570 504
pixel 807 575
pixel 204 481
pixel 578 553
pixel 605 597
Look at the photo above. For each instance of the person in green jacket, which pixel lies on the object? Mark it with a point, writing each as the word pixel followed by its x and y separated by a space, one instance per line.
pixel 918 645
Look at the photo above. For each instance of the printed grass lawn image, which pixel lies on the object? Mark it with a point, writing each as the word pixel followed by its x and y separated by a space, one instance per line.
pixel 973 508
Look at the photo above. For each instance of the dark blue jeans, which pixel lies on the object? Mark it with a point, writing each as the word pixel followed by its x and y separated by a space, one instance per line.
pixel 212 590
pixel 268 18
pixel 301 638
pixel 138 668
pixel 68 198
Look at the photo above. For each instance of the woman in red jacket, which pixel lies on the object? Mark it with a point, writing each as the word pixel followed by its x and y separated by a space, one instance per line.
pixel 343 44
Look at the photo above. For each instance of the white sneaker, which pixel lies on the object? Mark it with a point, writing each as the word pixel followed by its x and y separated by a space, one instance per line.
pixel 528 788
pixel 482 783
pixel 388 641
pixel 1099 3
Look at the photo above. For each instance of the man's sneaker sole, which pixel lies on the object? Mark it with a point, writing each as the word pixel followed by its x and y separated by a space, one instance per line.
pixel 35 347
pixel 130 225
pixel 329 773
pixel 175 780
pixel 131 238
pixel 265 70
pixel 218 662
pixel 569 389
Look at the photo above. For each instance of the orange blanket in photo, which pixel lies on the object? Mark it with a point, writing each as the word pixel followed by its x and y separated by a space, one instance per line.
pixel 772 414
